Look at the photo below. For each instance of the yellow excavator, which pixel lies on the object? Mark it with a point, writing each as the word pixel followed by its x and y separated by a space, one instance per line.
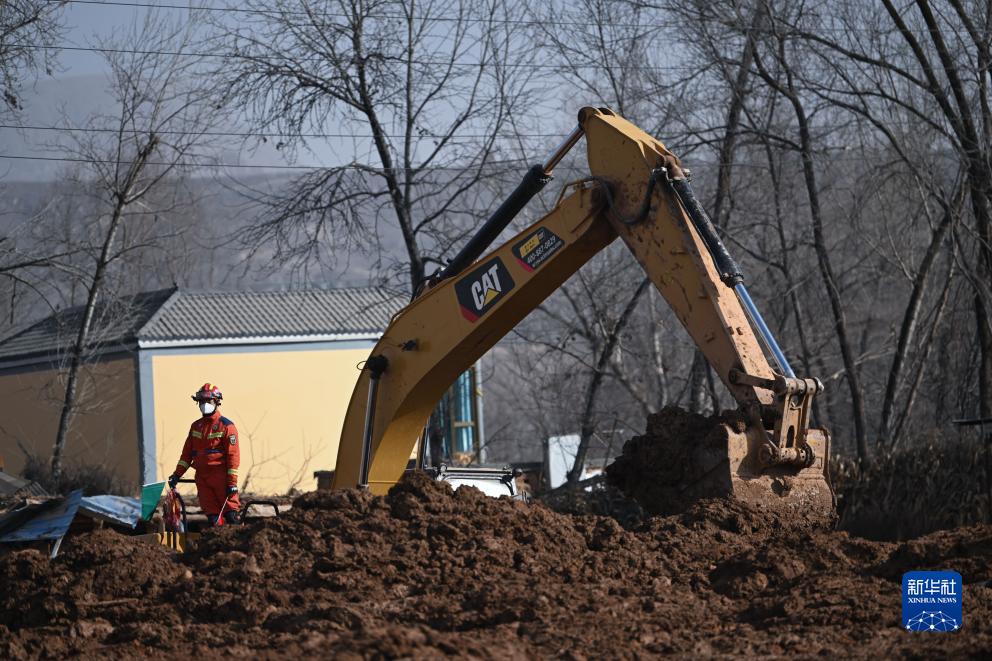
pixel 637 190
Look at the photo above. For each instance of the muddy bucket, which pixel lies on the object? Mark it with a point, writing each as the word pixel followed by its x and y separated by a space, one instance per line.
pixel 685 457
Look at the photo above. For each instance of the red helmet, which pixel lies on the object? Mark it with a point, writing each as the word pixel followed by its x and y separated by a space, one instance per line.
pixel 207 392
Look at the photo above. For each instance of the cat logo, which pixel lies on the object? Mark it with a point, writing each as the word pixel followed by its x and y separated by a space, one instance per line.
pixel 481 289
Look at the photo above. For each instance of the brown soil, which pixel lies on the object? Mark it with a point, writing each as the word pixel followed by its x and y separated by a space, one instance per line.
pixel 426 571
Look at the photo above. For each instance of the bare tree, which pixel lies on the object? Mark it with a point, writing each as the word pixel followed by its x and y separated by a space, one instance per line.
pixel 27 29
pixel 605 52
pixel 606 350
pixel 932 67
pixel 156 134
pixel 782 80
pixel 427 88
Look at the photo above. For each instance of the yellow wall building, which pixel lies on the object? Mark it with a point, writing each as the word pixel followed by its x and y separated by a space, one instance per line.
pixel 285 361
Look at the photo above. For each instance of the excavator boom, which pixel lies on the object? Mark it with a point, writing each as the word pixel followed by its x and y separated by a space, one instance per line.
pixel 637 192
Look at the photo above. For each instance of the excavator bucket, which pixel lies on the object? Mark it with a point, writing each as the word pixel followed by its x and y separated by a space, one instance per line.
pixel 685 457
pixel 731 466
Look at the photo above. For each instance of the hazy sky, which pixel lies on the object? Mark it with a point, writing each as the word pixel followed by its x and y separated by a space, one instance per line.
pixel 79 88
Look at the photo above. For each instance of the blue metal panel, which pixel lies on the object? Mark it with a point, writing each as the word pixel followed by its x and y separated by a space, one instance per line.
pixel 480 429
pixel 51 523
pixel 122 510
pixel 463 412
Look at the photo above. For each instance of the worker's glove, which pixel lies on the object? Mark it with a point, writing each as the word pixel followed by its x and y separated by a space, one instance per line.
pixel 232 491
pixel 173 481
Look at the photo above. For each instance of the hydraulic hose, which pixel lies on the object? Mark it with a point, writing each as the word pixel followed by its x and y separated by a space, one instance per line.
pixel 531 185
pixel 730 272
pixel 534 180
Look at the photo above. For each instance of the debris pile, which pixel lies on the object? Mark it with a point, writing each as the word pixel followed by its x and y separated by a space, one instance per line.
pixel 426 571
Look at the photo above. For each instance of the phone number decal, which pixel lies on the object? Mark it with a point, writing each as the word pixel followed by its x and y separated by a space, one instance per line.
pixel 537 248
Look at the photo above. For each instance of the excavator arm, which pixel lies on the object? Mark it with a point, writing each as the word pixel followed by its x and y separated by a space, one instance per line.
pixel 638 192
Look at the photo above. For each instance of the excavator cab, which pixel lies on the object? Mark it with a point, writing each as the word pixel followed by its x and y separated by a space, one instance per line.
pixel 637 191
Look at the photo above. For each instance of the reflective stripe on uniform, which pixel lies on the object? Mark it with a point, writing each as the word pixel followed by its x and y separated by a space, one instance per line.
pixel 196 434
pixel 213 452
pixel 232 471
pixel 184 464
pixel 216 434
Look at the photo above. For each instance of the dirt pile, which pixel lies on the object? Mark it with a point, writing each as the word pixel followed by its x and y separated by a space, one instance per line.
pixel 426 571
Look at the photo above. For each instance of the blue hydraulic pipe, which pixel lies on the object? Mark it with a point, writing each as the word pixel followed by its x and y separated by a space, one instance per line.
pixel 730 272
pixel 759 323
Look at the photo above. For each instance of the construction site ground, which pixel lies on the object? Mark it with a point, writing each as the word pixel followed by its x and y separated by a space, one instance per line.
pixel 426 571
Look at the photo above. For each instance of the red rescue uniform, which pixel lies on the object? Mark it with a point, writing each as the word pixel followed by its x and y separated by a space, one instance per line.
pixel 212 449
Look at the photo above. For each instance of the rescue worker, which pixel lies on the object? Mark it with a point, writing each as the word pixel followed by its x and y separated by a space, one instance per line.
pixel 212 449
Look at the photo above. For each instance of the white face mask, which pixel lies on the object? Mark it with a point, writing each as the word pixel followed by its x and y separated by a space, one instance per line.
pixel 207 408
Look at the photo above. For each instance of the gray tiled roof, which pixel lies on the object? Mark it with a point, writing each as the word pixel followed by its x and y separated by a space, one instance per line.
pixel 172 315
pixel 223 315
pixel 114 325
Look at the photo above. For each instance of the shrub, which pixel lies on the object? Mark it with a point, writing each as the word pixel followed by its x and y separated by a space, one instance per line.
pixel 932 485
pixel 93 479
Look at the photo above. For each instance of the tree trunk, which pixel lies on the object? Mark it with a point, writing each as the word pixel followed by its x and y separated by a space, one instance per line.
pixel 927 345
pixel 588 421
pixel 788 91
pixel 697 382
pixel 400 202
pixel 728 144
pixel 82 340
pixel 982 316
pixel 122 197
pixel 830 282
pixel 910 321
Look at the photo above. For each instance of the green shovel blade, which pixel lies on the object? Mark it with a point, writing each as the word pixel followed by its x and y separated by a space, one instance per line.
pixel 150 494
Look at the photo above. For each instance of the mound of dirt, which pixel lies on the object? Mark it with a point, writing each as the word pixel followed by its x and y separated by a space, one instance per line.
pixel 426 571
pixel 599 499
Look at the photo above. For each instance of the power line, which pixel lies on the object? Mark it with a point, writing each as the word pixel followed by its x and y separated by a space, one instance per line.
pixel 426 63
pixel 248 134
pixel 283 12
pixel 446 19
pixel 66 159
pixel 363 168
pixel 364 136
